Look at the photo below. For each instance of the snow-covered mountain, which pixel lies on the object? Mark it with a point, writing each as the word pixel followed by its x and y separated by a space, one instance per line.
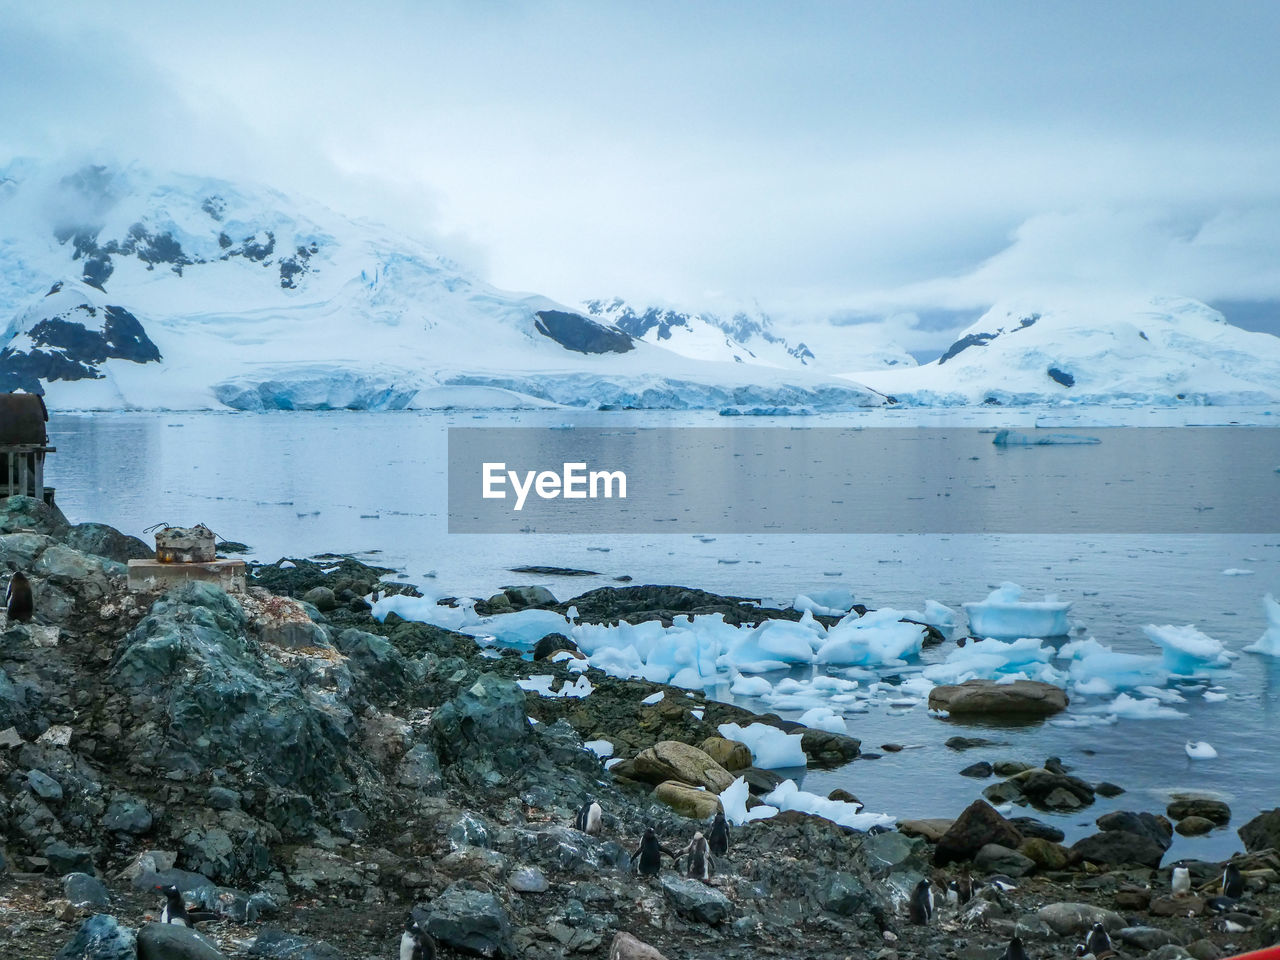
pixel 1153 351
pixel 751 336
pixel 123 289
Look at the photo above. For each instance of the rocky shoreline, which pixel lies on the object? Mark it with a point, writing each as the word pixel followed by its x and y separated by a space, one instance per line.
pixel 313 776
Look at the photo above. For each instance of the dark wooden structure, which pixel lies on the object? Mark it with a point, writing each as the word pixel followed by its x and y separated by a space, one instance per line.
pixel 23 445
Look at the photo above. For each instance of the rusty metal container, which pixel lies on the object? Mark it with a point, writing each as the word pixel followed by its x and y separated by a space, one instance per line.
pixel 185 545
pixel 22 420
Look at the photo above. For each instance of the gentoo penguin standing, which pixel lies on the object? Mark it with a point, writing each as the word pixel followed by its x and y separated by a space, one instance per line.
pixel 648 855
pixel 18 602
pixel 416 943
pixel 588 818
pixel 1098 943
pixel 920 910
pixel 1014 950
pixel 1181 881
pixel 698 865
pixel 1232 881
pixel 175 909
pixel 719 838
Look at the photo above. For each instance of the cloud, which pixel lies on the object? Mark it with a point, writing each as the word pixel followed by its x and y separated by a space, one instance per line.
pixel 864 158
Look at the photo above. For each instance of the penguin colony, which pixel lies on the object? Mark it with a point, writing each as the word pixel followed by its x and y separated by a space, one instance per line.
pixel 699 858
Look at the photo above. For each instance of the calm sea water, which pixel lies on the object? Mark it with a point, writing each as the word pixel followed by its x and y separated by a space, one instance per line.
pixel 297 484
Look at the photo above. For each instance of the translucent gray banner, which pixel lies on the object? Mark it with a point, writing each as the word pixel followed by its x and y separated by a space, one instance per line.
pixel 874 480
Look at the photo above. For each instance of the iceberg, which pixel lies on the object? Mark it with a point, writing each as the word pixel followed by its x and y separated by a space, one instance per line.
pixel 750 687
pixel 1269 643
pixel 831 602
pixel 425 609
pixel 1097 669
pixel 875 639
pixel 995 659
pixel 787 796
pixel 770 747
pixel 733 800
pixel 1011 438
pixel 1135 708
pixel 1186 649
pixel 1004 615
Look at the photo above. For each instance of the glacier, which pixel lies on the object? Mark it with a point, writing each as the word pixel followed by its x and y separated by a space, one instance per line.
pixel 1067 351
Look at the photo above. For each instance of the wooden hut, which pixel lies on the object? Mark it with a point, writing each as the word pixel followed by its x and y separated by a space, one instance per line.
pixel 23 445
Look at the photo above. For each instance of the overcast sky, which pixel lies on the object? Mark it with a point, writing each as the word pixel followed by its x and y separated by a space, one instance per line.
pixel 808 157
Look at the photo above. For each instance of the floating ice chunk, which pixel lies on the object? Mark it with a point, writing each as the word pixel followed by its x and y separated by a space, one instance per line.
pixel 830 602
pixel 750 687
pixel 1004 615
pixel 1269 643
pixel 733 800
pixel 876 639
pixel 1082 720
pixel 774 645
pixel 601 748
pixel 989 660
pixel 824 718
pixel 1213 696
pixel 1200 750
pixel 1012 438
pixel 939 615
pixel 787 796
pixel 1163 694
pixel 1095 664
pixel 1236 572
pixel 1095 687
pixel 1135 708
pixel 1186 649
pixel 653 698
pixel 770 747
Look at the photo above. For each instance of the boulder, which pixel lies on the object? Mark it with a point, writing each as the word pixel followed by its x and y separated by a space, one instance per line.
pixel 673 760
pixel 686 800
pixel 1156 829
pixel 126 814
pixel 532 596
pixel 1262 832
pixel 1194 826
pixel 976 827
pixel 552 644
pixel 1045 854
pixel 64 859
pixel 1146 938
pixel 627 947
pixel 322 598
pixel 1031 827
pixel 1022 698
pixel 1039 785
pixel 731 754
pixel 847 896
pixel 169 941
pixel 1182 807
pixel 932 829
pixel 486 723
pixel 82 890
pixel 528 880
pixel 104 541
pixel 979 770
pixel 100 938
pixel 695 900
pixel 1117 848
pixel 279 945
pixel 1073 919
pixel 994 858
pixel 826 749
pixel 469 921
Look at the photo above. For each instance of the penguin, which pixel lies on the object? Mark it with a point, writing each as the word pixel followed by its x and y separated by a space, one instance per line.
pixel 1081 953
pixel 719 838
pixel 962 886
pixel 588 818
pixel 920 910
pixel 18 601
pixel 1181 881
pixel 1221 904
pixel 648 856
pixel 416 943
pixel 1014 950
pixel 1098 943
pixel 1232 881
pixel 698 864
pixel 175 909
pixel 1002 883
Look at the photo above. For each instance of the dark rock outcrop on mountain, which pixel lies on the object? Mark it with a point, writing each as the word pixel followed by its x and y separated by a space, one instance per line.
pixel 580 334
